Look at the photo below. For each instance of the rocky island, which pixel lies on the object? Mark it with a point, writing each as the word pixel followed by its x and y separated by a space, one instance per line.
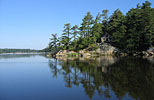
pixel 119 34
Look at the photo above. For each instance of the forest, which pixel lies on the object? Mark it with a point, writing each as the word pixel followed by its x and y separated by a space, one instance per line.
pixel 133 31
pixel 17 50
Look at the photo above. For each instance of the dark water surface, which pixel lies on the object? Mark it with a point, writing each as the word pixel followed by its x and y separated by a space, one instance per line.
pixel 35 77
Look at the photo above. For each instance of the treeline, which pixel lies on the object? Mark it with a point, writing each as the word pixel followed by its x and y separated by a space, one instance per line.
pixel 17 50
pixel 131 32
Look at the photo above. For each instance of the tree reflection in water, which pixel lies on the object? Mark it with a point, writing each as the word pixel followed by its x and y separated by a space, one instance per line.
pixel 132 76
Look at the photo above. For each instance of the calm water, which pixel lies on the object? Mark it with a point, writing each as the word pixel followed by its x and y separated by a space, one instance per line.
pixel 35 77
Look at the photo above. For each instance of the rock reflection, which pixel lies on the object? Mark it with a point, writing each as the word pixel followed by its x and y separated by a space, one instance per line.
pixel 132 76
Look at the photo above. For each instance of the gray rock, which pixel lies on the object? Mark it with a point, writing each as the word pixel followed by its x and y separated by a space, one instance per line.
pixel 107 49
pixel 149 52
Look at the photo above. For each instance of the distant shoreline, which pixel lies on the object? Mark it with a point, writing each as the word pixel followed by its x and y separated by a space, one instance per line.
pixel 19 53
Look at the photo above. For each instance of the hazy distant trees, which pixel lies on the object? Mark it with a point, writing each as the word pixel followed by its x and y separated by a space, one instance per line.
pixel 17 50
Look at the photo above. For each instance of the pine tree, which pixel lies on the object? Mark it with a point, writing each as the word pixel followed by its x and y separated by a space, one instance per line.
pixel 140 28
pixel 151 40
pixel 97 29
pixel 53 42
pixel 65 39
pixel 86 28
pixel 104 23
pixel 117 29
pixel 74 33
pixel 131 32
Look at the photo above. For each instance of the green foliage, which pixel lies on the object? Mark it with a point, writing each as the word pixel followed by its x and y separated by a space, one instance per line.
pixel 86 27
pixel 97 29
pixel 53 42
pixel 65 40
pixel 131 32
pixel 74 34
pixel 104 22
pixel 73 54
pixel 139 28
pixel 117 29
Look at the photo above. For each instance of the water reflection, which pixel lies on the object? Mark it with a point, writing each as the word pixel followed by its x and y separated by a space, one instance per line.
pixel 9 56
pixel 124 76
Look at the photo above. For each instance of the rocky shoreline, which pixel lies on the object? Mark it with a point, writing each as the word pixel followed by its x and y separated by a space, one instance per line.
pixel 104 49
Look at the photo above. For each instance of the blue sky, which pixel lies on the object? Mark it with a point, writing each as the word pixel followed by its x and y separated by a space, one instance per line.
pixel 29 23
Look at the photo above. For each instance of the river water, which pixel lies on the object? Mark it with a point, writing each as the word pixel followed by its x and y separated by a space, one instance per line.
pixel 36 77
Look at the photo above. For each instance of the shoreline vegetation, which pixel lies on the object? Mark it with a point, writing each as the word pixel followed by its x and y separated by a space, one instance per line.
pixel 121 35
pixel 19 51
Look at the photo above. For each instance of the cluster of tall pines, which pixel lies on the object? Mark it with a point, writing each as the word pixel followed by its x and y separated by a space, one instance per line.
pixel 131 32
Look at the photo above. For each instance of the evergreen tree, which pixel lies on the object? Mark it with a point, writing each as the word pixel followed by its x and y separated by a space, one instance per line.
pixel 97 29
pixel 152 28
pixel 65 39
pixel 139 28
pixel 104 22
pixel 53 42
pixel 133 32
pixel 86 28
pixel 117 29
pixel 74 36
